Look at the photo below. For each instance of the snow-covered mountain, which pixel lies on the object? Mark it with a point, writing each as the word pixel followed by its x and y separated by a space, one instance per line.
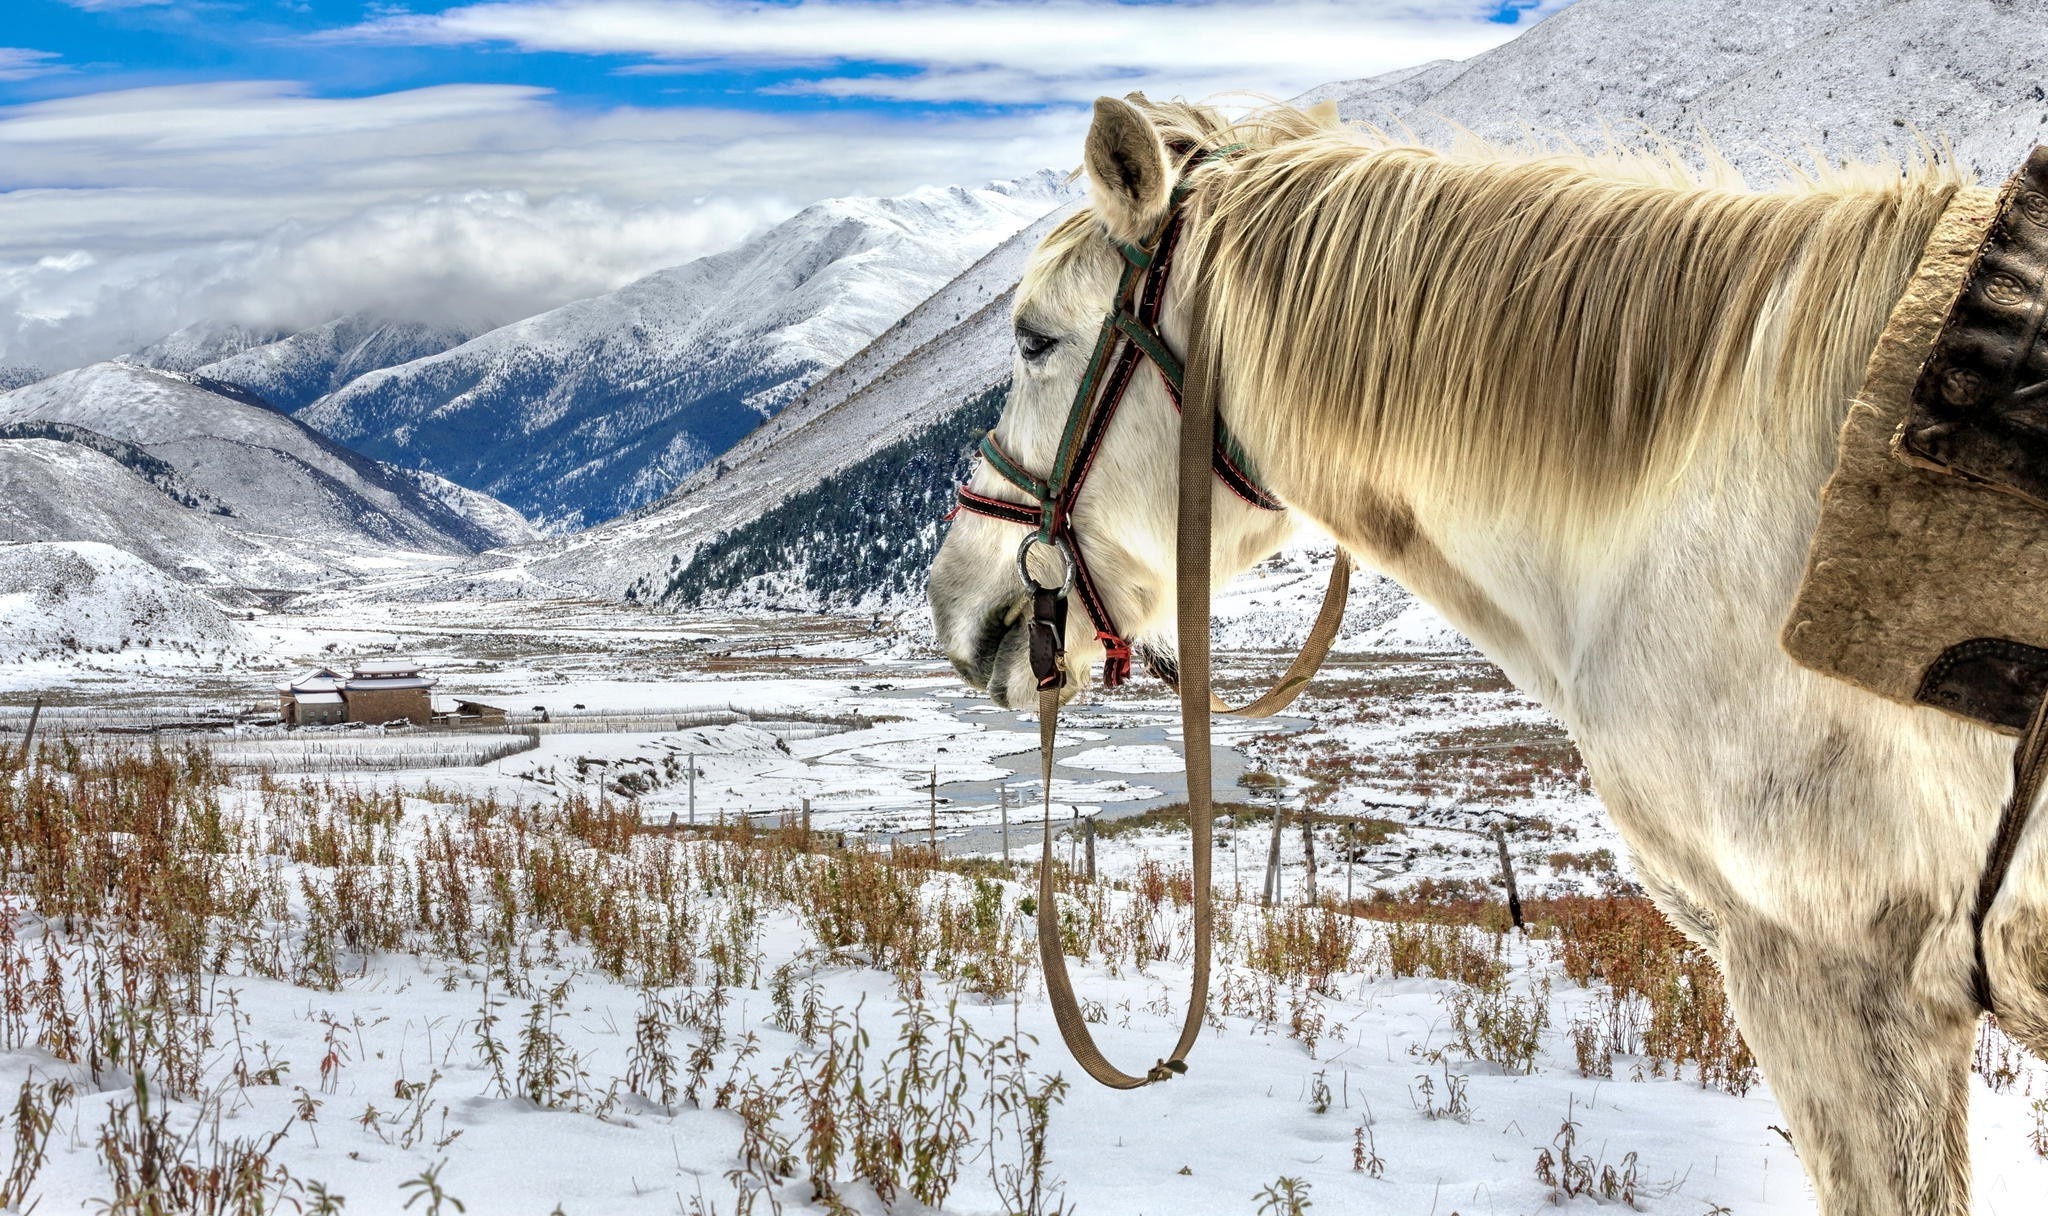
pixel 195 346
pixel 64 599
pixel 13 376
pixel 592 409
pixel 294 372
pixel 1764 82
pixel 938 360
pixel 217 487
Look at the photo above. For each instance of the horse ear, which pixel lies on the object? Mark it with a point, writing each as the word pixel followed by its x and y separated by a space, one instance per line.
pixel 1129 183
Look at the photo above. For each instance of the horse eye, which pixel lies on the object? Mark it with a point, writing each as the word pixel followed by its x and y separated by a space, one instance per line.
pixel 1033 344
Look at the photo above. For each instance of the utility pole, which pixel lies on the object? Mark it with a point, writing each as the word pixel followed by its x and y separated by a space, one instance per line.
pixel 1003 801
pixel 1088 834
pixel 807 823
pixel 693 789
pixel 931 831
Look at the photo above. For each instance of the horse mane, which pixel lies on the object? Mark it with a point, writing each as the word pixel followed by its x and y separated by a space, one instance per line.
pixel 1546 328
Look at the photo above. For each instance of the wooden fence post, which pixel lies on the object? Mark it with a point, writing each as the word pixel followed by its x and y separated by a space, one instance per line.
pixel 1507 874
pixel 1236 875
pixel 1350 861
pixel 28 741
pixel 693 789
pixel 1271 894
pixel 1003 801
pixel 1088 834
pixel 1308 849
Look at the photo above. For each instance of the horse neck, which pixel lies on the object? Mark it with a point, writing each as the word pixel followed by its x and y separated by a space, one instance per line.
pixel 1705 538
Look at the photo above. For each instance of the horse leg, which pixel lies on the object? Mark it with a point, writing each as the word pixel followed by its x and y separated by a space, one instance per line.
pixel 1871 1074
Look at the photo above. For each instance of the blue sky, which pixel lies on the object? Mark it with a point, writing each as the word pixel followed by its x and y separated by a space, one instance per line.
pixel 280 161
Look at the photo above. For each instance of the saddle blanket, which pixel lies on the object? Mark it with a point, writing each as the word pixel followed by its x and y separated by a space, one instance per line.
pixel 1927 578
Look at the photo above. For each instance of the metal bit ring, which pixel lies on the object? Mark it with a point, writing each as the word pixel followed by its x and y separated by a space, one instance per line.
pixel 1024 564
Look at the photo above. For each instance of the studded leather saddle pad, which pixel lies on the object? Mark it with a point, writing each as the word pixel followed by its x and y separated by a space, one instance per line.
pixel 1927 579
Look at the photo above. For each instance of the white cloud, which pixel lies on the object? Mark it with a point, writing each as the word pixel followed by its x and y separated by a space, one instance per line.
pixel 472 259
pixel 125 215
pixel 983 50
pixel 21 63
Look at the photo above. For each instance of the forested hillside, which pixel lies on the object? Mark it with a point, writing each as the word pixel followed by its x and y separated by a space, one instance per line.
pixel 866 533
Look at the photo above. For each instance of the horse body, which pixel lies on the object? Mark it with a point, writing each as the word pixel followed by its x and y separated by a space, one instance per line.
pixel 1585 410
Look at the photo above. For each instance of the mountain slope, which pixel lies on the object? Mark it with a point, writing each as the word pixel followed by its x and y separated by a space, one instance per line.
pixel 59 599
pixel 857 539
pixel 948 351
pixel 195 346
pixel 1763 82
pixel 603 405
pixel 209 481
pixel 294 372
pixel 73 492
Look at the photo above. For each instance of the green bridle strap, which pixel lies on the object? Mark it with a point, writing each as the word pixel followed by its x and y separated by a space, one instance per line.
pixel 1148 340
pixel 1120 320
pixel 1014 473
pixel 1084 394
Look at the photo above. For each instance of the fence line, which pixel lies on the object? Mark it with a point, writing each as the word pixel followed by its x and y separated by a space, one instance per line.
pixel 191 727
pixel 373 753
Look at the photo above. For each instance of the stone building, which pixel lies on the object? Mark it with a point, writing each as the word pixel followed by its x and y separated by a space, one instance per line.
pixel 313 699
pixel 375 691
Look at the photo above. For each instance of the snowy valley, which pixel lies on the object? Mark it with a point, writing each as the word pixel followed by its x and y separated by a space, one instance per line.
pixel 710 887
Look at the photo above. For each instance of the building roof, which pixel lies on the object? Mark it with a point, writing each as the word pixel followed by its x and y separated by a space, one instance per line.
pixel 388 667
pixel 395 683
pixel 313 679
pixel 477 707
pixel 317 698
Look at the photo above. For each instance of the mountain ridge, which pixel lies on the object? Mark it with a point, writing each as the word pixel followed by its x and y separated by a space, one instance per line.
pixel 596 408
pixel 215 485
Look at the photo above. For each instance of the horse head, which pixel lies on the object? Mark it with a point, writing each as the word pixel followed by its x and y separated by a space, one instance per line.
pixel 1123 524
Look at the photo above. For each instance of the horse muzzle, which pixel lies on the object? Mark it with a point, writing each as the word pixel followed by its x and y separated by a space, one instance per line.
pixel 996 645
pixel 997 659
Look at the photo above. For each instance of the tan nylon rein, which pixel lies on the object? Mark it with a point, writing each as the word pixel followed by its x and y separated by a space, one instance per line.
pixel 1197 703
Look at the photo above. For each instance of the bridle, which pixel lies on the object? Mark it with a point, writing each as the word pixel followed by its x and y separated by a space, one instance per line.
pixel 1130 331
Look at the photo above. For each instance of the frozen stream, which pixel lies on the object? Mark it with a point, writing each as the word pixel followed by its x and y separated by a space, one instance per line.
pixel 1112 761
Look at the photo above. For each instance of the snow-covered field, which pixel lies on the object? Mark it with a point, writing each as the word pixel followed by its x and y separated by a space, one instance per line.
pixel 467 972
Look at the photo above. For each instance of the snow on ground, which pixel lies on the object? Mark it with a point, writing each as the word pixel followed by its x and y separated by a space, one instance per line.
pixel 1362 1093
pixel 82 597
pixel 1434 747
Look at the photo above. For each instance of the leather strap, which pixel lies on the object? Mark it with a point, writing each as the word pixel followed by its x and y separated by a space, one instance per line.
pixel 1314 649
pixel 2029 766
pixel 1130 333
pixel 1197 449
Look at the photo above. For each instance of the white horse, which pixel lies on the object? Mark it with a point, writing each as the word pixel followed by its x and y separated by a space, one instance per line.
pixel 1584 407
